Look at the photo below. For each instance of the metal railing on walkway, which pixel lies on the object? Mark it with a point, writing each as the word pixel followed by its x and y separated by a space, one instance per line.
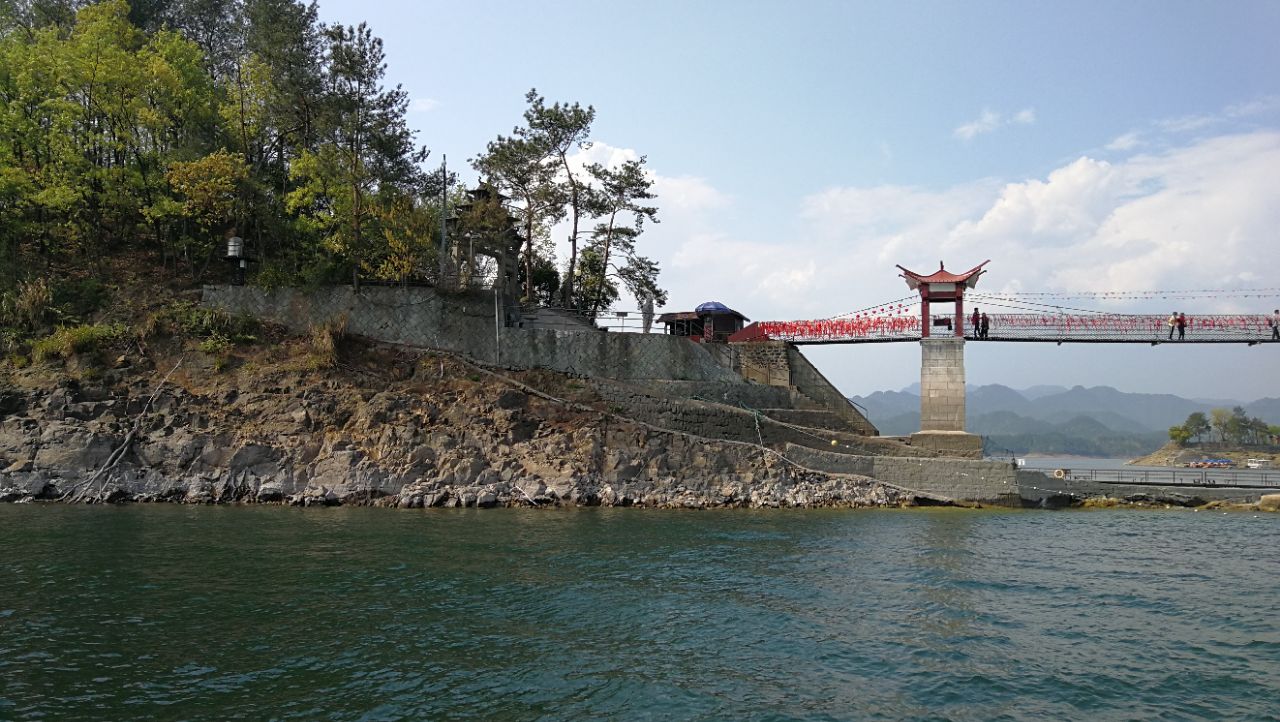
pixel 1242 478
pixel 1024 327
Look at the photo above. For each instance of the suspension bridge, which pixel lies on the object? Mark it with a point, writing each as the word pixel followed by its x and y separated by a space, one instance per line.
pixel 1025 318
pixel 1045 327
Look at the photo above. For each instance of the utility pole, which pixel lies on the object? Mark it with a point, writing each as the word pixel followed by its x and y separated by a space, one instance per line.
pixel 444 220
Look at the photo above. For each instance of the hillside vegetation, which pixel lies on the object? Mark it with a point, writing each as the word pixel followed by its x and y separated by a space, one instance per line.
pixel 157 131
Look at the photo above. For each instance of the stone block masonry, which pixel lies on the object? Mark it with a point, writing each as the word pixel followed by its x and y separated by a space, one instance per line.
pixel 942 384
pixel 983 482
pixel 464 324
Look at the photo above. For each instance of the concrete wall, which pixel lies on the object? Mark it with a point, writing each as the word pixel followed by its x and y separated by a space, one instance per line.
pixel 989 482
pixel 753 396
pixel 942 384
pixel 464 323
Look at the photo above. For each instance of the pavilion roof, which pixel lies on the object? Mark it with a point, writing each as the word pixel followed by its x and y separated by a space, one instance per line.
pixel 969 278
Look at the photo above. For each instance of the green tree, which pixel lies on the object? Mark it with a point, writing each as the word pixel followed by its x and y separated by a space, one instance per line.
pixel 367 150
pixel 1197 425
pixel 1219 420
pixel 617 198
pixel 209 193
pixel 542 281
pixel 562 128
pixel 1258 431
pixel 520 168
pixel 1179 435
pixel 1237 426
pixel 408 234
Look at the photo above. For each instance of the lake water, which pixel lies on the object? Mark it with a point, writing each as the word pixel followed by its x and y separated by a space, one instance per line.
pixel 254 613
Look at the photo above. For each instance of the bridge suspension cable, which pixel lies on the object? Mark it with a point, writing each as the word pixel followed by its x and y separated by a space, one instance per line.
pixel 1149 295
pixel 888 304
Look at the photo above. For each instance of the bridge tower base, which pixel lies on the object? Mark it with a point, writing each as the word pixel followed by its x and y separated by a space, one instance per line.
pixel 942 399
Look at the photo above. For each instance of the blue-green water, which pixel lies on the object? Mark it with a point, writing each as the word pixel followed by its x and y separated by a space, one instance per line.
pixel 367 614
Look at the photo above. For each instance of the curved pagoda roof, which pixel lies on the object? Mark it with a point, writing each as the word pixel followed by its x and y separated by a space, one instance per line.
pixel 969 278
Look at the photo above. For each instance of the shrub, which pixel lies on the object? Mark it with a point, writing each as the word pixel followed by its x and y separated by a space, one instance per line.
pixel 28 306
pixel 273 276
pixel 216 345
pixel 191 320
pixel 68 341
pixel 323 340
pixel 219 347
pixel 77 300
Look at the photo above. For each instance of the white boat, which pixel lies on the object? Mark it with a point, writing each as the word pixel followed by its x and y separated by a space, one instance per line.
pixel 1258 463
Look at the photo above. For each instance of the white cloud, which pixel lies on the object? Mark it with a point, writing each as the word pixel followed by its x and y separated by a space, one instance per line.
pixel 990 120
pixel 1238 112
pixel 1203 215
pixel 688 193
pixel 985 123
pixel 1200 216
pixel 1128 141
pixel 423 105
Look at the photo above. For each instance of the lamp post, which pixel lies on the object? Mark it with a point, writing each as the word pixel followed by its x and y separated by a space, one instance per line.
pixel 235 254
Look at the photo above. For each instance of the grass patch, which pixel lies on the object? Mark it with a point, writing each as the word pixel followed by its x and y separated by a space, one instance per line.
pixel 67 341
pixel 191 320
pixel 219 347
pixel 323 340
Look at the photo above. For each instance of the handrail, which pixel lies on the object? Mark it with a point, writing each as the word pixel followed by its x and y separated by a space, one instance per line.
pixel 1176 477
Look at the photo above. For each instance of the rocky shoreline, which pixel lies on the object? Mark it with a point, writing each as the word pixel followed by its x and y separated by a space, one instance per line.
pixel 400 430
pixel 1173 455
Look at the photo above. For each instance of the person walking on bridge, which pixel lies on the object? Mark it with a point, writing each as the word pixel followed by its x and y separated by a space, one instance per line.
pixel 1173 323
pixel 973 321
pixel 984 327
pixel 1182 326
pixel 1275 325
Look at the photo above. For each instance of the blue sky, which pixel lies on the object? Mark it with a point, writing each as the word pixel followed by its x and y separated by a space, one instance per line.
pixel 811 146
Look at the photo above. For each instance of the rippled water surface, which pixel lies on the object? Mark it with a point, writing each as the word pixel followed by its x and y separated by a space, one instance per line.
pixel 367 614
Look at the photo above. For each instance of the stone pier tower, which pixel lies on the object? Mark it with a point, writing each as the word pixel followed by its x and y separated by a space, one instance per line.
pixel 942 362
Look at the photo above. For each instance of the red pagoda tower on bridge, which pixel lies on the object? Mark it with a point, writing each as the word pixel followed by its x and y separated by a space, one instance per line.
pixel 942 414
pixel 942 286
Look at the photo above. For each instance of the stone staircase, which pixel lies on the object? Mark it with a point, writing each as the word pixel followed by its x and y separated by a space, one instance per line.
pixel 553 319
pixel 736 419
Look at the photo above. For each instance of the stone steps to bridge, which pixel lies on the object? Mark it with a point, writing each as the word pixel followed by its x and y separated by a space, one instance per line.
pixel 813 418
pixel 701 416
pixel 553 319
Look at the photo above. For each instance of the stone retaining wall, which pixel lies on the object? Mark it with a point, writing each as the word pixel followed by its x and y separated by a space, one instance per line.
pixel 464 323
pixel 755 396
pixel 713 420
pixel 989 482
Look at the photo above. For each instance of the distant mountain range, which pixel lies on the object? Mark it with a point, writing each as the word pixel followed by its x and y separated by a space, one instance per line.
pixel 1096 421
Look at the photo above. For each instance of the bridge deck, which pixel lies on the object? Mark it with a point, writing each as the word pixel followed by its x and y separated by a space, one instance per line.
pixel 1024 328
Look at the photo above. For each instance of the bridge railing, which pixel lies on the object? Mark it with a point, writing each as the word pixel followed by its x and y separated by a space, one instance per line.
pixel 1179 477
pixel 1124 328
pixel 1060 328
pixel 834 330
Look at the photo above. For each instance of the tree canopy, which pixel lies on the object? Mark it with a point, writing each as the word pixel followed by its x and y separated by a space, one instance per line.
pixel 163 127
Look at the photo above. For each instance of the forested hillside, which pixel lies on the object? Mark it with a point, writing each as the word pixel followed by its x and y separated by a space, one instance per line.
pixel 156 131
